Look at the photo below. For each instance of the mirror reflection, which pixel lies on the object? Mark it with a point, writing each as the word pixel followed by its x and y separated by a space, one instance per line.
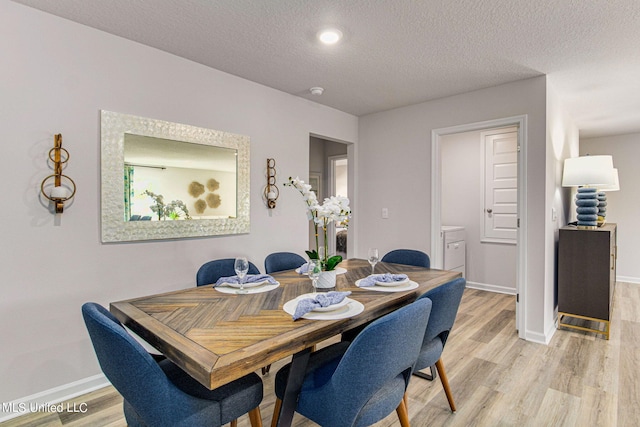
pixel 164 180
pixel 174 180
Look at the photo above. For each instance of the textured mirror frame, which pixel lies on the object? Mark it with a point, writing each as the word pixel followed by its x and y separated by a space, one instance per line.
pixel 115 229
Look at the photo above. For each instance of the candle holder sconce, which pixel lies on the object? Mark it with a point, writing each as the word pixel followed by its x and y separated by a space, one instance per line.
pixel 59 193
pixel 271 191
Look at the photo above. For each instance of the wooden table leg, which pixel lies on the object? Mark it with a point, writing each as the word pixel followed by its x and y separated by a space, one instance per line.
pixel 292 389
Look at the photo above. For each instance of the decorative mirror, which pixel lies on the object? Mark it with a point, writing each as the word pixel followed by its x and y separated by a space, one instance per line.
pixel 163 180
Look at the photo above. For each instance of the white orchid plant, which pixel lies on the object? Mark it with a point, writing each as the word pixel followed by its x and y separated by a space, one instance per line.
pixel 333 209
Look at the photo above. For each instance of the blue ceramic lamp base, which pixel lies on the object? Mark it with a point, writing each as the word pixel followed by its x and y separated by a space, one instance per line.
pixel 602 208
pixel 587 208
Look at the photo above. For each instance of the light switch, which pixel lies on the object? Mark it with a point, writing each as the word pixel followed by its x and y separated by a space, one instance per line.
pixel 385 213
pixel 554 214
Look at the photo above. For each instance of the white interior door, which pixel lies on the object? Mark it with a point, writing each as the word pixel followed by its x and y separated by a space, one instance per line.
pixel 500 185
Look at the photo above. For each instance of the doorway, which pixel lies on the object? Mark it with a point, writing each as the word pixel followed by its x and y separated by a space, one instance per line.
pixel 329 172
pixel 338 186
pixel 438 197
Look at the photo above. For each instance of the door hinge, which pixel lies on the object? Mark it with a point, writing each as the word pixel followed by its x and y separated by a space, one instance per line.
pixel 518 148
pixel 518 222
pixel 517 297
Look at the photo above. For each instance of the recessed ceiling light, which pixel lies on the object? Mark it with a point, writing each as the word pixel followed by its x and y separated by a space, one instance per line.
pixel 330 36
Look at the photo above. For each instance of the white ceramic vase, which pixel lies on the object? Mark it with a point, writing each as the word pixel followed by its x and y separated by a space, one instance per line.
pixel 326 280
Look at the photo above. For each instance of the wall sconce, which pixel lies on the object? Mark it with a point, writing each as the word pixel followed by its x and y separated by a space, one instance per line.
pixel 587 172
pixel 271 191
pixel 58 194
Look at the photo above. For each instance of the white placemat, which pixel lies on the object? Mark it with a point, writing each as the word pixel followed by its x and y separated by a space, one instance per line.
pixel 254 290
pixel 353 308
pixel 400 288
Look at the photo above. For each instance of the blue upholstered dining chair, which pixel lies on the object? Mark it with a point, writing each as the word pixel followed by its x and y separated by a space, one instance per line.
pixel 160 393
pixel 360 383
pixel 407 257
pixel 280 261
pixel 211 271
pixel 446 300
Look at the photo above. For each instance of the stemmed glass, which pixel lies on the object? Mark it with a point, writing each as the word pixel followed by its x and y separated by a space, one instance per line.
pixel 372 257
pixel 241 265
pixel 315 267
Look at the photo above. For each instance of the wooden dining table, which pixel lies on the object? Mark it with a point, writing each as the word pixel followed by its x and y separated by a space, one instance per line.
pixel 219 337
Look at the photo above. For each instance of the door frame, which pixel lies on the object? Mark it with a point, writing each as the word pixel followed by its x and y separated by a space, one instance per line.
pixel 436 203
pixel 331 190
pixel 352 177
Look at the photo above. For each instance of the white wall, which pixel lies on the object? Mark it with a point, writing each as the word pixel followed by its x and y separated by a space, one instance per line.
pixel 623 207
pixel 56 77
pixel 562 142
pixel 394 158
pixel 488 265
pixel 173 184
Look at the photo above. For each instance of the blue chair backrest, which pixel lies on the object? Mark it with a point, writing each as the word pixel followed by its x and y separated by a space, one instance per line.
pixel 386 348
pixel 408 257
pixel 280 261
pixel 211 271
pixel 133 372
pixel 446 301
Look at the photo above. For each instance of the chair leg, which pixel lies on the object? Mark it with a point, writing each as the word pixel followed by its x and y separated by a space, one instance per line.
pixel 427 376
pixel 265 369
pixel 234 423
pixel 276 412
pixel 445 384
pixel 254 417
pixel 403 414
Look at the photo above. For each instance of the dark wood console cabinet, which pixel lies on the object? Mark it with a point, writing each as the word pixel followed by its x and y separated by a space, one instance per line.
pixel 586 275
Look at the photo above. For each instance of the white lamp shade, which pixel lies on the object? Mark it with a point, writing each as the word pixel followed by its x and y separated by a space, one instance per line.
pixel 588 170
pixel 616 184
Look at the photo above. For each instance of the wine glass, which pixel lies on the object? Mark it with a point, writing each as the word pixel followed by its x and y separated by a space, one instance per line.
pixel 372 257
pixel 315 268
pixel 241 266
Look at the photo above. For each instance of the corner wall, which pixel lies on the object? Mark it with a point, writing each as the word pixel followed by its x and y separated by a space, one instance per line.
pixel 562 142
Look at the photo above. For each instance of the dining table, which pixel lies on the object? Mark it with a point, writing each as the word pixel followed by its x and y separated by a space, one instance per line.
pixel 217 335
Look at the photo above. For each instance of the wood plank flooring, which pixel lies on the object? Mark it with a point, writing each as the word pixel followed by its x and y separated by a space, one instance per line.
pixel 579 379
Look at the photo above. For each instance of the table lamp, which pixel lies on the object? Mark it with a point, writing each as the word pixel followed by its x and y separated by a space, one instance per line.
pixel 586 173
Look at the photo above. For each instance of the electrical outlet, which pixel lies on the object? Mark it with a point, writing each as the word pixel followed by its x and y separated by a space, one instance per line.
pixel 385 213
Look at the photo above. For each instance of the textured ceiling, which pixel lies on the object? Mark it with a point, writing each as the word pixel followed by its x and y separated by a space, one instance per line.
pixel 399 52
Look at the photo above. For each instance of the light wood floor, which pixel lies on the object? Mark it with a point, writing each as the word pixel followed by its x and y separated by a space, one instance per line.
pixel 579 379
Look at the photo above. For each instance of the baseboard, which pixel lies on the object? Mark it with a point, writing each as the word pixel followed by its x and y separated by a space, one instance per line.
pixel 627 279
pixel 46 399
pixel 539 338
pixel 491 288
